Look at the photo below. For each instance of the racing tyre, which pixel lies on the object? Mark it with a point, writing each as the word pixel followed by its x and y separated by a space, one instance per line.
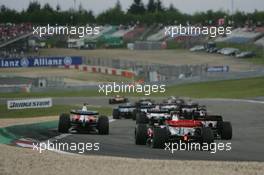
pixel 141 118
pixel 141 134
pixel 103 125
pixel 226 133
pixel 125 100
pixel 207 135
pixel 64 123
pixel 116 114
pixel 159 138
pixel 110 101
pixel 134 114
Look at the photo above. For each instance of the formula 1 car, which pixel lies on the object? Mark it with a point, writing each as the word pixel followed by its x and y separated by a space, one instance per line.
pixel 83 120
pixel 221 129
pixel 153 114
pixel 118 99
pixel 142 107
pixel 174 100
pixel 125 111
pixel 144 101
pixel 161 130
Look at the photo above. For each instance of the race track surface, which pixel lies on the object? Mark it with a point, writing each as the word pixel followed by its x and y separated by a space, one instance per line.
pixel 247 143
pixel 247 118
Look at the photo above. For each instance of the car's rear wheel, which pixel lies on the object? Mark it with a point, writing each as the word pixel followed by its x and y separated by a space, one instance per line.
pixel 110 101
pixel 134 114
pixel 207 135
pixel 159 138
pixel 64 123
pixel 141 134
pixel 103 125
pixel 141 118
pixel 116 114
pixel 226 132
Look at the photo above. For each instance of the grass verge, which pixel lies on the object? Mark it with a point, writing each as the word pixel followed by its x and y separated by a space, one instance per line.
pixel 242 88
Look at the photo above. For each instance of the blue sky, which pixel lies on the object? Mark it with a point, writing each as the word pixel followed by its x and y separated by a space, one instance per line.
pixel 187 6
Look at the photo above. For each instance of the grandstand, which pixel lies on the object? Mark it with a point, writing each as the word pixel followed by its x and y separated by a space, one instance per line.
pixel 240 36
pixel 10 33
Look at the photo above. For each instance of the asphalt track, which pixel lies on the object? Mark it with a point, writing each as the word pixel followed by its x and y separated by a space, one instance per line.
pixel 247 144
pixel 247 118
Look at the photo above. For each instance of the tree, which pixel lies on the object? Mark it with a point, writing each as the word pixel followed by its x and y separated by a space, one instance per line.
pixel 58 8
pixel 137 7
pixel 151 7
pixel 33 6
pixel 118 6
pixel 159 6
pixel 47 8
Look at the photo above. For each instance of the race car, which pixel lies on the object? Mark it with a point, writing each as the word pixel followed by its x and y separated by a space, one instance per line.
pixel 143 101
pixel 118 99
pixel 174 100
pixel 173 129
pixel 142 107
pixel 221 129
pixel 83 120
pixel 153 114
pixel 170 106
pixel 125 111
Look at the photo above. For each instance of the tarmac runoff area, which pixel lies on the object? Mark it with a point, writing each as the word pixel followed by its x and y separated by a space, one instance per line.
pixel 245 116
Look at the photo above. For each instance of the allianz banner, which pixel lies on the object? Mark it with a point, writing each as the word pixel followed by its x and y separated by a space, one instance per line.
pixel 40 61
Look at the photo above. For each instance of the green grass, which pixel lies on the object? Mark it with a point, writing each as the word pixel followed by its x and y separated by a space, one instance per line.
pixel 55 110
pixel 243 88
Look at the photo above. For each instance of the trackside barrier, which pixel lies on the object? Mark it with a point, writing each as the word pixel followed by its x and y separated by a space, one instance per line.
pixel 103 70
pixel 113 71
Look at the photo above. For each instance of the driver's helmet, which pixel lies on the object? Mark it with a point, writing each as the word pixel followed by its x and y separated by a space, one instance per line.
pixel 84 108
pixel 202 113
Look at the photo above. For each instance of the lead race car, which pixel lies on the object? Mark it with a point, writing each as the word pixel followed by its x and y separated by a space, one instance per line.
pixel 83 120
pixel 118 99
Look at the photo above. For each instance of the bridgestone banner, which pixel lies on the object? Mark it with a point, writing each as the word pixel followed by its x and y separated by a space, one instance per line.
pixel 29 103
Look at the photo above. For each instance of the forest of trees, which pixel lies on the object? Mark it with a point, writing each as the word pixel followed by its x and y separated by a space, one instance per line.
pixel 152 12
